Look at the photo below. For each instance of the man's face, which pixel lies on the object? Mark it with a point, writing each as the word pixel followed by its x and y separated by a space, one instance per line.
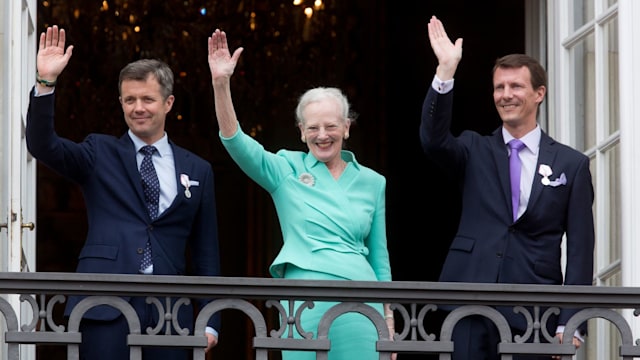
pixel 144 108
pixel 515 98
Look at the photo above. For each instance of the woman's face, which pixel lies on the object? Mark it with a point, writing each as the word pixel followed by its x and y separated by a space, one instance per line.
pixel 324 129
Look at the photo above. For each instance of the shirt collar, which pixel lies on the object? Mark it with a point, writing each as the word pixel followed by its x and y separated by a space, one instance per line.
pixel 531 140
pixel 162 145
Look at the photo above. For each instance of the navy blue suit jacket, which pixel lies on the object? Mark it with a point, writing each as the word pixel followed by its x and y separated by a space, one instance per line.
pixel 489 247
pixel 118 221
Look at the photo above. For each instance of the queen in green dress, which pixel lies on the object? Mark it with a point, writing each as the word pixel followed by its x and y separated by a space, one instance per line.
pixel 331 208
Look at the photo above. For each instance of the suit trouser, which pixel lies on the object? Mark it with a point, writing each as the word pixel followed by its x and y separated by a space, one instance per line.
pixel 107 340
pixel 476 338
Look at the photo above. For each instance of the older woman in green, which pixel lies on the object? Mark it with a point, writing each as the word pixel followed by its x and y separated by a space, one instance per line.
pixel 331 208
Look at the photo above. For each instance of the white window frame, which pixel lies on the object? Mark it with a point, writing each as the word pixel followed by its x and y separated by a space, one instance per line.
pixel 562 127
pixel 18 36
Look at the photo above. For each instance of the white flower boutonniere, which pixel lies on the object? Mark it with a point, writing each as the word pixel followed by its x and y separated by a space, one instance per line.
pixel 307 179
pixel 545 171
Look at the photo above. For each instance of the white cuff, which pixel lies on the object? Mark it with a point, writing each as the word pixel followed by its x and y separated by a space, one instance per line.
pixel 212 331
pixel 560 330
pixel 440 86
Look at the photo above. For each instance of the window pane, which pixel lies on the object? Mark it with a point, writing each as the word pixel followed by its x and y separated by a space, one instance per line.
pixel 582 12
pixel 612 78
pixel 614 224
pixel 583 59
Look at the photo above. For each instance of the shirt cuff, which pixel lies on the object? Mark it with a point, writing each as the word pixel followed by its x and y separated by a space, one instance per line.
pixel 212 331
pixel 560 330
pixel 37 94
pixel 442 87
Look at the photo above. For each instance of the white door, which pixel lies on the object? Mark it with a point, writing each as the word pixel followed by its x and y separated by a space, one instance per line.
pixel 18 35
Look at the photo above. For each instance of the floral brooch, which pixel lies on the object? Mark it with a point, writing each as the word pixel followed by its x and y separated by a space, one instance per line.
pixel 307 179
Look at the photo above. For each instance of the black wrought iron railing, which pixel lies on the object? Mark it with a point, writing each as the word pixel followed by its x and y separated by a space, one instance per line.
pixel 258 299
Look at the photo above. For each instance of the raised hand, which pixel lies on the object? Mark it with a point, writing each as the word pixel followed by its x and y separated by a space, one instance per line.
pixel 52 57
pixel 221 63
pixel 448 53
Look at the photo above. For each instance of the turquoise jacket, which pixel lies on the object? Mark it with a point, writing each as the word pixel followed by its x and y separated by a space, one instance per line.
pixel 331 226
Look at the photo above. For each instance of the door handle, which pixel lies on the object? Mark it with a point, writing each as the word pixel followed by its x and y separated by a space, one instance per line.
pixel 29 225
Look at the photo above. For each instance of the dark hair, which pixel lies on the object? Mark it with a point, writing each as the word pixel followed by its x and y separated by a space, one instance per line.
pixel 140 70
pixel 514 61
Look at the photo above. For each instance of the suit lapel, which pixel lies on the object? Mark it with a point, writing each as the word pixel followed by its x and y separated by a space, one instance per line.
pixel 501 161
pixel 546 155
pixel 182 162
pixel 127 154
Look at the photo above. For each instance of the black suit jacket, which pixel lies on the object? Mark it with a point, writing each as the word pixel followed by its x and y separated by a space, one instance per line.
pixel 118 221
pixel 489 247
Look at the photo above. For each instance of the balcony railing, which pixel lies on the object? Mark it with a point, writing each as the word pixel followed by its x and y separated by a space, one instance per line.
pixel 259 298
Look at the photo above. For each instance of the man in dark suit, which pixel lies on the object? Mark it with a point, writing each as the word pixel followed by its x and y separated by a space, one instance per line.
pixel 125 222
pixel 503 238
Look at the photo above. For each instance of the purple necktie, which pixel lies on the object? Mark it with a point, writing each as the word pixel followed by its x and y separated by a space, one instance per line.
pixel 515 166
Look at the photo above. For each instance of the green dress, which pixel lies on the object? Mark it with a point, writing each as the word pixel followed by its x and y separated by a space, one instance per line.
pixel 331 229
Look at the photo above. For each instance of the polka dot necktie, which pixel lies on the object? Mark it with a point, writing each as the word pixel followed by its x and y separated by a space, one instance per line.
pixel 151 186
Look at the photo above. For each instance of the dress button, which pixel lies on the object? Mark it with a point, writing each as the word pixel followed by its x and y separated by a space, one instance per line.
pixel 499 254
pixel 140 250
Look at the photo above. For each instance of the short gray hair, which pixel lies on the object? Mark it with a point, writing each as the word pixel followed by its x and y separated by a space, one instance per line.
pixel 322 93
